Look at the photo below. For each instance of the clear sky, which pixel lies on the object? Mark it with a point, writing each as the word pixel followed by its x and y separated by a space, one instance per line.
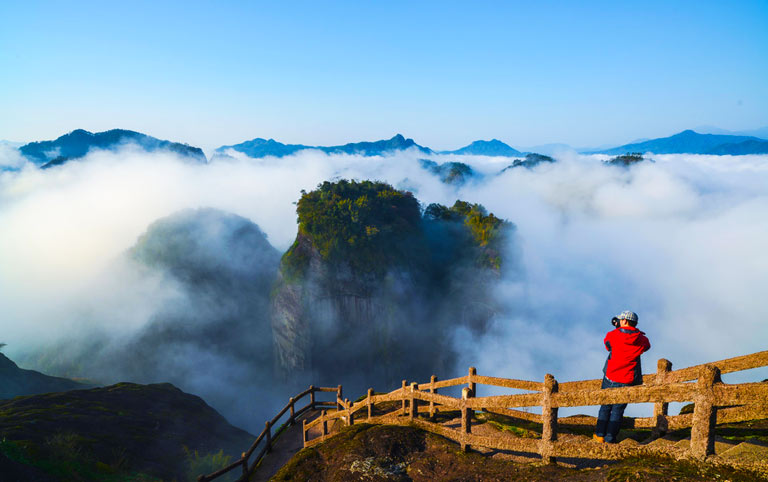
pixel 444 73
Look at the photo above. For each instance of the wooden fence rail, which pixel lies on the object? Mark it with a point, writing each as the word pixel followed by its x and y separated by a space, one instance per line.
pixel 714 401
pixel 267 435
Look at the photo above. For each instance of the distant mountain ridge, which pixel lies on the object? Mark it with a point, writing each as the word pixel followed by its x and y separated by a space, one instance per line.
pixel 691 142
pixel 761 132
pixel 258 148
pixel 494 147
pixel 79 142
pixel 752 146
pixel 15 381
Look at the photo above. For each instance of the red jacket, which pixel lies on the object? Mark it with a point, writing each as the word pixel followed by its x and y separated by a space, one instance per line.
pixel 626 344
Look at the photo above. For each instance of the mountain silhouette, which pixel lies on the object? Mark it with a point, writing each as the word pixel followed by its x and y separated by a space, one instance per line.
pixel 258 148
pixel 690 142
pixel 15 381
pixel 494 147
pixel 79 142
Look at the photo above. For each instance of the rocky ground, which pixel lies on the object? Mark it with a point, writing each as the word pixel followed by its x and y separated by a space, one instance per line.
pixel 386 452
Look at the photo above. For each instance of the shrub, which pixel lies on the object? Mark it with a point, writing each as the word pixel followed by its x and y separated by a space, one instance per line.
pixel 205 464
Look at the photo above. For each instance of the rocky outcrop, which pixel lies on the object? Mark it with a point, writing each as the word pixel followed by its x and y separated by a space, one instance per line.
pixel 332 318
pixel 372 290
pixel 206 323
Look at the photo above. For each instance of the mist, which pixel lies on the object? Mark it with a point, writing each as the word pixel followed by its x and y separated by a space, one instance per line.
pixel 681 241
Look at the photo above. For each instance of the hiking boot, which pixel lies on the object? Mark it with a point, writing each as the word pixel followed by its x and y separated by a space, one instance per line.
pixel 598 439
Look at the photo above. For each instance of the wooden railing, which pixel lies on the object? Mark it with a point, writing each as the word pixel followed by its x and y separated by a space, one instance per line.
pixel 714 402
pixel 266 436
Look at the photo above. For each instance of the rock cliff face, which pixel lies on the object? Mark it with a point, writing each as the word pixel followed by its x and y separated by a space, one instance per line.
pixel 334 318
pixel 373 290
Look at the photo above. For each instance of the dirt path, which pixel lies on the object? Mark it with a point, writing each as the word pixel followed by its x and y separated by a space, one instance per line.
pixel 283 448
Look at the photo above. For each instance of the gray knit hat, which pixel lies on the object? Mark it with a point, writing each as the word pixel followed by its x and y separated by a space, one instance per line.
pixel 628 315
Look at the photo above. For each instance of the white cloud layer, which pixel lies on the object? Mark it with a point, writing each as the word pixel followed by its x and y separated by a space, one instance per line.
pixel 681 241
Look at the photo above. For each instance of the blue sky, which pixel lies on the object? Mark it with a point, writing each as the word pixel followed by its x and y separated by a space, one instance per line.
pixel 444 73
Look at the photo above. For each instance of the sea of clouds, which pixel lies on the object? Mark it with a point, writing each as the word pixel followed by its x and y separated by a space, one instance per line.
pixel 681 241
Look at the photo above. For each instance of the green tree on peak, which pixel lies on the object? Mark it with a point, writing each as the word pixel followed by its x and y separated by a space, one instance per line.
pixel 368 225
pixel 487 231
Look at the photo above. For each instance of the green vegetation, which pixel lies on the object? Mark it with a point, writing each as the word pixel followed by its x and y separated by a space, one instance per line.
pixel 530 161
pixel 687 408
pixel 659 467
pixel 486 230
pixel 485 227
pixel 370 226
pixel 122 432
pixel 206 464
pixel 627 159
pixel 515 426
pixel 366 225
pixel 455 173
pixel 64 456
pixel 302 466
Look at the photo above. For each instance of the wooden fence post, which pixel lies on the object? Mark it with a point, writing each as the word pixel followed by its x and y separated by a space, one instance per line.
pixel 269 436
pixel 660 409
pixel 432 389
pixel 351 416
pixel 414 413
pixel 403 390
pixel 293 410
pixel 312 397
pixel 549 420
pixel 704 414
pixel 245 468
pixel 325 423
pixel 471 381
pixel 304 431
pixel 370 405
pixel 338 398
pixel 466 417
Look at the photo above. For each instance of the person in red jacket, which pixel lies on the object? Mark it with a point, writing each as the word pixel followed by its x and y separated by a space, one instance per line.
pixel 622 369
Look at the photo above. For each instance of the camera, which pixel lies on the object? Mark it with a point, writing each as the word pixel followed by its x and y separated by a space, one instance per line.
pixel 615 322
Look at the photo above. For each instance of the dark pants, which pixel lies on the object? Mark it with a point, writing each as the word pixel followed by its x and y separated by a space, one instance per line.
pixel 609 418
